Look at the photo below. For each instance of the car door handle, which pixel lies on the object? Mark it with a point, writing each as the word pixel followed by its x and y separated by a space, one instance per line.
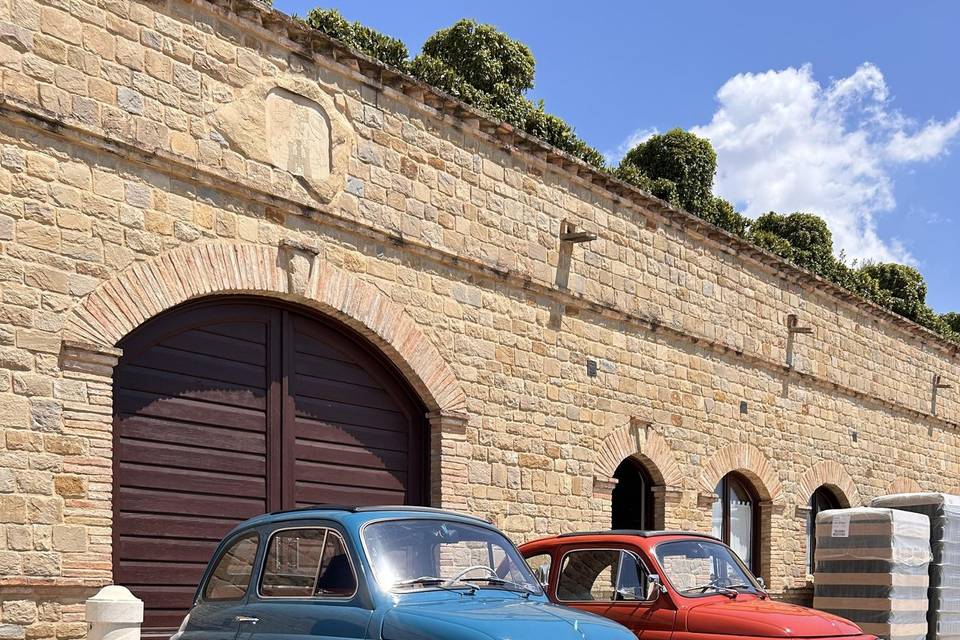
pixel 250 619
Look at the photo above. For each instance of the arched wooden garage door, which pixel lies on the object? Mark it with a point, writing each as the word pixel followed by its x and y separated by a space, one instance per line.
pixel 228 408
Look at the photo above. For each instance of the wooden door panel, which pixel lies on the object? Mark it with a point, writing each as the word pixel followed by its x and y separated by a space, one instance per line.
pixel 191 430
pixel 228 408
pixel 306 429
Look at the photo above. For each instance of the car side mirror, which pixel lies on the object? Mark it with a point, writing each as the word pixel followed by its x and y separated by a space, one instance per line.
pixel 763 585
pixel 654 587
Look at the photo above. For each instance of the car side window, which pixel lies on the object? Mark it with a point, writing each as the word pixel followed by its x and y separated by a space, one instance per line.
pixel 600 575
pixel 540 565
pixel 302 563
pixel 588 574
pixel 231 575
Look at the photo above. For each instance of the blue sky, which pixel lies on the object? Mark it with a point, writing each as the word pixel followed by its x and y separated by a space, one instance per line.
pixel 846 109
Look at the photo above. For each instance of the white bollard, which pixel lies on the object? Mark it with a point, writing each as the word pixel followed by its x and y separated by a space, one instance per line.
pixel 114 614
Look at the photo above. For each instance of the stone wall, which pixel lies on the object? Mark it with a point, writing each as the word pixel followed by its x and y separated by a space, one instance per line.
pixel 128 184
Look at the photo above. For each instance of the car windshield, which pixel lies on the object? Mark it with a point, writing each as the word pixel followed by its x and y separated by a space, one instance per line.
pixel 700 567
pixel 411 554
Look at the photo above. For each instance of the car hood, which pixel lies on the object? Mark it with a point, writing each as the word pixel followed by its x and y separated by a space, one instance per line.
pixel 757 617
pixel 485 619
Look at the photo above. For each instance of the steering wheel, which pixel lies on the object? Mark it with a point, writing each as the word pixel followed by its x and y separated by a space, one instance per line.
pixel 459 576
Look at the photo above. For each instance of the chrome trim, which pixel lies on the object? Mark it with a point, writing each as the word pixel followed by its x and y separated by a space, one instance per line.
pixel 327 531
pixel 636 555
pixel 474 522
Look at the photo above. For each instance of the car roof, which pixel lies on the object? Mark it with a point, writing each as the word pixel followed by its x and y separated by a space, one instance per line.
pixel 640 533
pixel 619 533
pixel 357 514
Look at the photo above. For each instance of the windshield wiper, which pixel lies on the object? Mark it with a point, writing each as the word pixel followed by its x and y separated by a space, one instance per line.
pixel 728 591
pixel 509 584
pixel 422 580
pixel 433 581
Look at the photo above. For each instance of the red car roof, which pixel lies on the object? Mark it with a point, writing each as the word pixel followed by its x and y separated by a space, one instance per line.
pixel 613 535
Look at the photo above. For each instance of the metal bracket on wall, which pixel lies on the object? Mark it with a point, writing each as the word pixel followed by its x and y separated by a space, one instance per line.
pixel 793 328
pixel 938 384
pixel 569 236
pixel 570 233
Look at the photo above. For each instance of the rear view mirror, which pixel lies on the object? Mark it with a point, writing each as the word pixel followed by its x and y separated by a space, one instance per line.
pixel 654 587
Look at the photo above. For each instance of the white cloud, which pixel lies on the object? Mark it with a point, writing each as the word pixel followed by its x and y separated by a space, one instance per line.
pixel 632 140
pixel 785 142
pixel 926 144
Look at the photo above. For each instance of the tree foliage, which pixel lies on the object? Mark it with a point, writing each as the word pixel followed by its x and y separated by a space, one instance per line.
pixel 801 238
pixel 483 57
pixel 683 158
pixel 473 62
pixel 679 167
pixel 723 214
pixel 373 43
pixel 952 320
pixel 904 291
pixel 486 68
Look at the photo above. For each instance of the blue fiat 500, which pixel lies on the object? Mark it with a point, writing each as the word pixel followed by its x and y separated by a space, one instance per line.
pixel 388 573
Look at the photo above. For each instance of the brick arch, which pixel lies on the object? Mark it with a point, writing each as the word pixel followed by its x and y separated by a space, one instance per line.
pixel 746 460
pixel 637 440
pixel 833 475
pixel 193 271
pixel 904 485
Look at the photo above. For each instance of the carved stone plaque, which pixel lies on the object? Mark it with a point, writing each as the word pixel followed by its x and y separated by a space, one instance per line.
pixel 293 125
pixel 298 135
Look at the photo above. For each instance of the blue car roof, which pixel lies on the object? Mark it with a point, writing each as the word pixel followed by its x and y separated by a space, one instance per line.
pixel 354 515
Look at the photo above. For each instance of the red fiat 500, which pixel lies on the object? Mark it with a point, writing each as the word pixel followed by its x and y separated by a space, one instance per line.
pixel 671 586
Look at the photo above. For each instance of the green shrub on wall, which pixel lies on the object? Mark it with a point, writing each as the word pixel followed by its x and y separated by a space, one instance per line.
pixel 375 44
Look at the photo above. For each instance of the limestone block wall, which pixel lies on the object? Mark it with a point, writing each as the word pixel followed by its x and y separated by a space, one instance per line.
pixel 128 186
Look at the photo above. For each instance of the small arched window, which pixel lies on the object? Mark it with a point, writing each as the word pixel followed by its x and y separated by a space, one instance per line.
pixel 736 518
pixel 633 496
pixel 821 500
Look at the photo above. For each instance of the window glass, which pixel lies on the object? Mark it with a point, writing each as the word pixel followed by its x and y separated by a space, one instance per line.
pixel 734 517
pixel 302 563
pixel 409 554
pixel 335 578
pixel 696 567
pixel 631 578
pixel 540 565
pixel 741 521
pixel 231 576
pixel 590 574
pixel 716 514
